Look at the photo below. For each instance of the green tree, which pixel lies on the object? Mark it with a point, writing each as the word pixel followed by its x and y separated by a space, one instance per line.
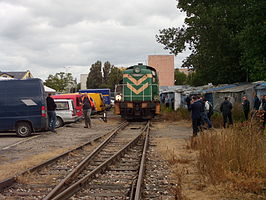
pixel 61 82
pixel 219 35
pixel 95 78
pixel 106 71
pixel 252 40
pixel 78 86
pixel 180 77
pixel 115 77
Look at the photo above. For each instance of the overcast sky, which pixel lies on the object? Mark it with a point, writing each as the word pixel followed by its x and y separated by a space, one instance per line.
pixel 49 36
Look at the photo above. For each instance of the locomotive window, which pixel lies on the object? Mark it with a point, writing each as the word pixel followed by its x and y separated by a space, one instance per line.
pixel 137 75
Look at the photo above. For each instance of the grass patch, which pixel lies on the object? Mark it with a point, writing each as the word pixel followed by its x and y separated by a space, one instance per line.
pixel 237 115
pixel 235 156
pixel 171 115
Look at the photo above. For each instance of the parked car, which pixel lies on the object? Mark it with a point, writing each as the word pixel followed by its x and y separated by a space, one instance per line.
pixel 77 100
pixel 65 112
pixel 23 106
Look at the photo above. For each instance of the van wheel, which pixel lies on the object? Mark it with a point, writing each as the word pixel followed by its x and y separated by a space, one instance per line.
pixel 59 122
pixel 23 129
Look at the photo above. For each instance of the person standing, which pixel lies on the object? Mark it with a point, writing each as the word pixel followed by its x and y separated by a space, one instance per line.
pixel 210 110
pixel 246 107
pixel 195 108
pixel 226 109
pixel 188 101
pixel 51 106
pixel 264 109
pixel 262 101
pixel 256 102
pixel 87 111
pixel 204 111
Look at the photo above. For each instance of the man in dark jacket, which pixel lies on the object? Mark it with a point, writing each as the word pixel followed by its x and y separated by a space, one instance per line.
pixel 256 102
pixel 264 109
pixel 188 101
pixel 226 108
pixel 196 108
pixel 51 106
pixel 87 111
pixel 246 106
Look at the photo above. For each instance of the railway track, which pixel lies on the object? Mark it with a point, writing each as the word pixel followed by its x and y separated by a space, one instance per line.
pixel 158 183
pixel 113 170
pixel 25 184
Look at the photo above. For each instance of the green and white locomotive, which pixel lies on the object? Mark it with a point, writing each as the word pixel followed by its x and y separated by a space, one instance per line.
pixel 137 97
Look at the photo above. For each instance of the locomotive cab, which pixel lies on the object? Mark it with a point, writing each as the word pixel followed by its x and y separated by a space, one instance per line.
pixel 138 95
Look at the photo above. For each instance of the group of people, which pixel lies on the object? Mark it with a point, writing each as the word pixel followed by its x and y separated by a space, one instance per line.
pixel 51 107
pixel 202 110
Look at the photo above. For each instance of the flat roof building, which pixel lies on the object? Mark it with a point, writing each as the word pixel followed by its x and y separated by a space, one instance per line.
pixel 83 81
pixel 164 65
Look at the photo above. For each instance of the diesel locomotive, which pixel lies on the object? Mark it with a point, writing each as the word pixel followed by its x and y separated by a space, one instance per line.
pixel 137 97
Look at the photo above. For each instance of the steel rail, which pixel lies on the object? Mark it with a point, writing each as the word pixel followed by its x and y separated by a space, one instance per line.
pixel 76 171
pixel 70 191
pixel 138 190
pixel 11 180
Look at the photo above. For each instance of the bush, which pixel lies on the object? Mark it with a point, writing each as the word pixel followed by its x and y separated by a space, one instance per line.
pixel 237 115
pixel 236 155
pixel 172 115
pixel 217 120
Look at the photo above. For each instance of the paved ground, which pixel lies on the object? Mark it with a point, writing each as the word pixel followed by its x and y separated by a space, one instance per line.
pixel 17 154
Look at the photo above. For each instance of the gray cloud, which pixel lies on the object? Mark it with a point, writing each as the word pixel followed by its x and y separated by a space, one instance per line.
pixel 46 36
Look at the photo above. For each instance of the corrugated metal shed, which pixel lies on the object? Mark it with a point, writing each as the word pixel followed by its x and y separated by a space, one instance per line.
pixel 261 86
pixel 239 88
pixel 210 90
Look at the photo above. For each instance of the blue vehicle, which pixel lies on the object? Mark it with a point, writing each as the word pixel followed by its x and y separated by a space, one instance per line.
pixel 23 106
pixel 105 93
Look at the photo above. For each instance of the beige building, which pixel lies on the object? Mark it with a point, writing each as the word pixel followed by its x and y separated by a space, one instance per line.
pixel 164 65
pixel 83 81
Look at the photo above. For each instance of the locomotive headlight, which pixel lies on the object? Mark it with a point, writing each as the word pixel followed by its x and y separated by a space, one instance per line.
pixel 137 70
pixel 156 98
pixel 118 97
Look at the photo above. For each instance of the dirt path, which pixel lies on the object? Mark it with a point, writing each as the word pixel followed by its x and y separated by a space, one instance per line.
pixel 171 139
pixel 173 144
pixel 19 156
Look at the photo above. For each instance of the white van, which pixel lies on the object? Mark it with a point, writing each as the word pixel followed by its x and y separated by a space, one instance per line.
pixel 65 112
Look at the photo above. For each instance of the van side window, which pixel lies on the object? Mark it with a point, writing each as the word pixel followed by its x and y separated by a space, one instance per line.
pixel 62 106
